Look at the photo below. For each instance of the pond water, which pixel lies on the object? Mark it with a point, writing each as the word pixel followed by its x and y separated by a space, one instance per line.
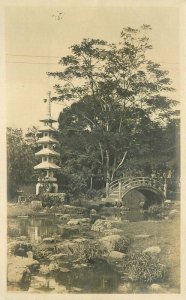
pixel 95 278
pixel 40 227
pixel 85 278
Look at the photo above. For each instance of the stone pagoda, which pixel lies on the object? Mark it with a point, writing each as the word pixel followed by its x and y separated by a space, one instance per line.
pixel 46 181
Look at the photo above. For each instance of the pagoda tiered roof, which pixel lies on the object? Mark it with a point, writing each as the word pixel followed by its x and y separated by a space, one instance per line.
pixel 47 140
pixel 46 165
pixel 48 179
pixel 47 128
pixel 48 119
pixel 47 152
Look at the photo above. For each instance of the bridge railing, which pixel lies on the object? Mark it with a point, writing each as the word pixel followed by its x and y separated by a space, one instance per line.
pixel 115 183
pixel 122 184
pixel 143 181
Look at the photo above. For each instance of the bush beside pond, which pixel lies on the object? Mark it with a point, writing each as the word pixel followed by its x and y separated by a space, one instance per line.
pixel 88 251
pixel 51 199
pixel 144 268
pixel 123 244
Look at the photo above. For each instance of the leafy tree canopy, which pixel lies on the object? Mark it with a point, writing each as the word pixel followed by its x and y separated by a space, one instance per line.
pixel 121 111
pixel 20 158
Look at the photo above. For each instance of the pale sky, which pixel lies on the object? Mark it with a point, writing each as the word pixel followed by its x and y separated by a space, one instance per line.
pixel 35 41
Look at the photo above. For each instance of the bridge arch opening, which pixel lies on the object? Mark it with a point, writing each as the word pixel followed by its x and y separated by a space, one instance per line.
pixel 142 198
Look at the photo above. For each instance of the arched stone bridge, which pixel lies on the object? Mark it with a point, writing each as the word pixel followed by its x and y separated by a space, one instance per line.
pixel 152 189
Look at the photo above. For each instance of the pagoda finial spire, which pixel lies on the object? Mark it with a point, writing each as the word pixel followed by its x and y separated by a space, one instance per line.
pixel 49 104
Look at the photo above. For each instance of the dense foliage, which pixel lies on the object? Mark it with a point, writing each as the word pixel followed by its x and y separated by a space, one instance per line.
pixel 144 267
pixel 121 120
pixel 20 158
pixel 123 244
pixel 88 251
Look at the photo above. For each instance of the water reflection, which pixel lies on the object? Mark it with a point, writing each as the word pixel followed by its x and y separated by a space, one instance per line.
pixel 38 228
pixel 94 279
pixel 34 228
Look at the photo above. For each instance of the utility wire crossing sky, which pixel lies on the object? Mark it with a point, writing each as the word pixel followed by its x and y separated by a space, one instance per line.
pixel 37 37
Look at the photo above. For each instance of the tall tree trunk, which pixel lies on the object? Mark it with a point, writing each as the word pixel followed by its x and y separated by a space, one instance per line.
pixel 119 165
pixel 107 166
pixel 91 182
pixel 114 167
pixel 101 150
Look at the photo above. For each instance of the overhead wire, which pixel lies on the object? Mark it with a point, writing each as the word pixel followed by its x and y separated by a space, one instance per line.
pixel 28 55
pixel 31 63
pixel 53 56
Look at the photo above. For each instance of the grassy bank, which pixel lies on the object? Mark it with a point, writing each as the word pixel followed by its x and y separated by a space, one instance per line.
pixel 166 235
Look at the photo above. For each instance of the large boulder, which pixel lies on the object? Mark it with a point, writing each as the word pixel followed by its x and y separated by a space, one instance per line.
pixel 66 247
pixel 152 250
pixel 49 240
pixel 61 289
pixel 64 217
pixel 156 288
pixel 64 270
pixel 19 269
pixel 57 256
pixel 44 270
pixel 37 282
pixel 85 220
pixel 36 205
pixel 101 225
pixel 168 201
pixel 109 241
pixel 93 211
pixel 126 288
pixel 75 290
pixel 73 222
pixel 173 213
pixel 18 274
pixel 116 255
pixel 22 261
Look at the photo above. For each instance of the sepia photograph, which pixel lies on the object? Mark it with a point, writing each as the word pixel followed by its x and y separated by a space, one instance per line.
pixel 93 99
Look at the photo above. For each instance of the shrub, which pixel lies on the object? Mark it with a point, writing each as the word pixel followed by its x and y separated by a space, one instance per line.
pixel 13 232
pixel 30 197
pixel 43 251
pixel 123 244
pixel 92 194
pixel 144 267
pixel 155 209
pixel 88 251
pixel 19 248
pixel 36 205
pixel 49 199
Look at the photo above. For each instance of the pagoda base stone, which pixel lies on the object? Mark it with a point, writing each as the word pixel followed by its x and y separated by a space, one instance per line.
pixel 49 187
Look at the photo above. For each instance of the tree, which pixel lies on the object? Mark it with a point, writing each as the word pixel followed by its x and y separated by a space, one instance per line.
pixel 122 98
pixel 20 158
